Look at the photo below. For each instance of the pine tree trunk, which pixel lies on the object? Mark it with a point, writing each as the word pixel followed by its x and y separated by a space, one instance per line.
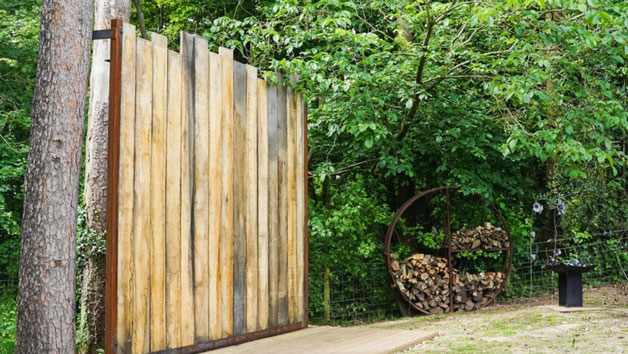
pixel 92 323
pixel 45 321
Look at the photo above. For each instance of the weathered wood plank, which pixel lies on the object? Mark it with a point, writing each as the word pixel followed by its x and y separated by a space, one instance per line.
pixel 125 190
pixel 187 188
pixel 215 192
pixel 292 201
pixel 157 194
pixel 141 218
pixel 226 231
pixel 282 167
pixel 173 203
pixel 300 222
pixel 201 189
pixel 217 211
pixel 239 198
pixel 324 339
pixel 273 209
pixel 262 205
pixel 251 200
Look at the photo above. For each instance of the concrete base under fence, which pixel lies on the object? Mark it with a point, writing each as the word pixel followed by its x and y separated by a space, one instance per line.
pixel 324 339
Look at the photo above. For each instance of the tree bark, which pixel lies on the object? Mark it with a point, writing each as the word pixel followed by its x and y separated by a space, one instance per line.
pixel 45 320
pixel 92 305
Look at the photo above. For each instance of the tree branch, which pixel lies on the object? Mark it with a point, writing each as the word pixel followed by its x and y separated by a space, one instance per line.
pixel 345 169
pixel 140 18
pixel 419 73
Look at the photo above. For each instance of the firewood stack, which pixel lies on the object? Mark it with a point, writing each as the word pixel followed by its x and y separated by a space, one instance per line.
pixel 424 279
pixel 484 237
pixel 472 291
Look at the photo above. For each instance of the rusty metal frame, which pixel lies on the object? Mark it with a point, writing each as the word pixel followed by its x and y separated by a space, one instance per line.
pixel 506 268
pixel 113 159
pixel 306 226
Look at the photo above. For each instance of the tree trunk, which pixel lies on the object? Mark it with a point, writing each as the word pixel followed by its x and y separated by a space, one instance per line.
pixel 45 321
pixel 92 305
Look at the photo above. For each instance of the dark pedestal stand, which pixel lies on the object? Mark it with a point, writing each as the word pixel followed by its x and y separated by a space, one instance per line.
pixel 569 284
pixel 570 289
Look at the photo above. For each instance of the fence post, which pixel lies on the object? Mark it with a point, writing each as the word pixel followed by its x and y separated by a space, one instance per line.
pixel 111 275
pixel 326 295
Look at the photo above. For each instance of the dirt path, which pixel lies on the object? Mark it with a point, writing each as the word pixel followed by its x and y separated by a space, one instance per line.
pixel 527 325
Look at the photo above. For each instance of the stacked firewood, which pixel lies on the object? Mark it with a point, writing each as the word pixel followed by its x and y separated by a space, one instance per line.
pixel 424 280
pixel 472 291
pixel 484 237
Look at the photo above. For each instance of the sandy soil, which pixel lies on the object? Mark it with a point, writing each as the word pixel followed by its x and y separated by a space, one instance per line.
pixel 527 325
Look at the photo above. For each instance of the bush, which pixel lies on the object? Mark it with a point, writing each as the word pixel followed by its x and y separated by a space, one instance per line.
pixel 8 320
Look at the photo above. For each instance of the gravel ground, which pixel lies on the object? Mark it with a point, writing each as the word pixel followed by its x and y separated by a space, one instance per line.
pixel 528 326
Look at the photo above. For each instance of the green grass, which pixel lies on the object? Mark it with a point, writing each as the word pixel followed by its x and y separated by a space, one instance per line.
pixel 529 327
pixel 8 318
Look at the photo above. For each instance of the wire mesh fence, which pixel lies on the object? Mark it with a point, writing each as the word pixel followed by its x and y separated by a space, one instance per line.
pixel 365 295
pixel 352 297
pixel 355 298
pixel 607 252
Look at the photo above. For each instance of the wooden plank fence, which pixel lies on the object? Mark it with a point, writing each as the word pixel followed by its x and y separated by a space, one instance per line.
pixel 209 200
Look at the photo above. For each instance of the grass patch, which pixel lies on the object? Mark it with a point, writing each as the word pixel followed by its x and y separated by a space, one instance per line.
pixel 8 319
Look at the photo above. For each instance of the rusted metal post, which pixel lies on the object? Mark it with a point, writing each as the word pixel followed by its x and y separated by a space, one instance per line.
pixel 306 321
pixel 111 275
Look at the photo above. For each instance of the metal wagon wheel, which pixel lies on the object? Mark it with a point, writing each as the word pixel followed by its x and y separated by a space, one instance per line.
pixel 507 258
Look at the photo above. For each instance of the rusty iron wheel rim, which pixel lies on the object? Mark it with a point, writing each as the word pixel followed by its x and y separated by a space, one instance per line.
pixel 506 267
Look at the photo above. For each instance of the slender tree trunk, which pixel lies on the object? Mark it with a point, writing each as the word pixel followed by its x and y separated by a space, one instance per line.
pixel 45 320
pixel 92 305
pixel 140 18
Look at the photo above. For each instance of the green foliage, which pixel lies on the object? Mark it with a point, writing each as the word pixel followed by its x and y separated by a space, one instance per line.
pixel 8 320
pixel 19 26
pixel 347 232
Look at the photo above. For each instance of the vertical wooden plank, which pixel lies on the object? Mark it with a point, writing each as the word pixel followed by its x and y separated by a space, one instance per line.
pixel 226 231
pixel 125 189
pixel 292 201
pixel 201 189
pixel 157 195
pixel 141 198
pixel 187 188
pixel 239 198
pixel 173 203
pixel 251 200
pixel 300 228
pixel 262 205
pixel 273 209
pixel 215 192
pixel 282 180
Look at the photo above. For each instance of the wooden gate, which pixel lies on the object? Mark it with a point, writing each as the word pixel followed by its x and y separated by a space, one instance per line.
pixel 207 237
